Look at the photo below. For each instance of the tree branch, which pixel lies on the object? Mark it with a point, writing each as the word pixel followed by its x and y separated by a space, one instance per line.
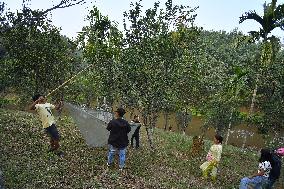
pixel 64 4
pixel 39 15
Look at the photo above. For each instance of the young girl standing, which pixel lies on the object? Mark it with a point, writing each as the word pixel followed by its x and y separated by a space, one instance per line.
pixel 213 158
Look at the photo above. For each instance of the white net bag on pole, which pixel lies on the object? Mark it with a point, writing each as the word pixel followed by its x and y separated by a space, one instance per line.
pixel 92 124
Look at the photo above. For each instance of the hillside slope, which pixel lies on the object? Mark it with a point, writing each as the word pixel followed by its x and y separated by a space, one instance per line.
pixel 26 163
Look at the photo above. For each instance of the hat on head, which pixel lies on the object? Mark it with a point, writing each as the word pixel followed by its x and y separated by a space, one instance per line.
pixel 120 111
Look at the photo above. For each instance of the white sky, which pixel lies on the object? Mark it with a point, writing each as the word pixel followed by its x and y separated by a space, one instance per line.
pixel 211 15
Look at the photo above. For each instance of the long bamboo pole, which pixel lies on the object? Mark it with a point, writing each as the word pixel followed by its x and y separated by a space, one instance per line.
pixel 63 84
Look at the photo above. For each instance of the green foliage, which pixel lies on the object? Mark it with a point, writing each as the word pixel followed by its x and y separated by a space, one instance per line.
pixel 41 57
pixel 272 18
pixel 101 43
pixel 271 95
pixel 4 102
pixel 161 62
pixel 154 58
pixel 225 87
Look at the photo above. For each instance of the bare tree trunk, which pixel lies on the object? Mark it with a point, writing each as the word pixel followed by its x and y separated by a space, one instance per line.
pixel 244 142
pixel 60 98
pixel 97 103
pixel 1 180
pixel 88 100
pixel 184 124
pixel 150 137
pixel 185 121
pixel 254 96
pixel 150 120
pixel 229 129
pixel 148 130
pixel 166 116
pixel 153 121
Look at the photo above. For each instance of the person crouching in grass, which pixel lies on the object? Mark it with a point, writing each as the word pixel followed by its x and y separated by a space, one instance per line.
pixel 213 158
pixel 43 109
pixel 261 178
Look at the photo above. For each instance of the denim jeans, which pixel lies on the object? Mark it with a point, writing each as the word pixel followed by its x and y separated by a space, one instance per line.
pixel 122 155
pixel 257 181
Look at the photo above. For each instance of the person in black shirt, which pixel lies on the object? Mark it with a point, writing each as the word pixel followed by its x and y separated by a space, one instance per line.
pixel 118 139
pixel 136 132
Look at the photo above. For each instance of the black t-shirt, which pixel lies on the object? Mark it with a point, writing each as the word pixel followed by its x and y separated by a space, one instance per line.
pixel 119 128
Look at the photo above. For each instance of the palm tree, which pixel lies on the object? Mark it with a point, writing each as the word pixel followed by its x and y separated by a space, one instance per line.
pixel 272 18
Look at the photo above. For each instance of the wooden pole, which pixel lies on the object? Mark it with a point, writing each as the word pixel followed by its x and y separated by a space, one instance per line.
pixel 63 84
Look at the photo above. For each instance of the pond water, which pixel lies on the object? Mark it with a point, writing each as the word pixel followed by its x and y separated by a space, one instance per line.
pixel 254 139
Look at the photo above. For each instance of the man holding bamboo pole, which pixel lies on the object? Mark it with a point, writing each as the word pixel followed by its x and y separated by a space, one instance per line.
pixel 48 122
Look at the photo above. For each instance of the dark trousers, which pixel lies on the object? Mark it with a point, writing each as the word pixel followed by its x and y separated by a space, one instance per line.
pixel 270 183
pixel 136 137
pixel 53 133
